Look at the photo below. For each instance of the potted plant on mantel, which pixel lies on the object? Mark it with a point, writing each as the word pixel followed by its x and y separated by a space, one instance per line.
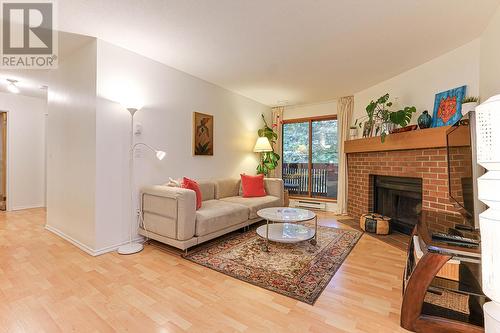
pixel 381 120
pixel 469 103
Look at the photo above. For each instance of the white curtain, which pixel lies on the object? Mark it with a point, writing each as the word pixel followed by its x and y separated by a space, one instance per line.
pixel 277 118
pixel 345 107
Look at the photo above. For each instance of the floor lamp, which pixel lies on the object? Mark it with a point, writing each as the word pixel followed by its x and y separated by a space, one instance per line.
pixel 134 247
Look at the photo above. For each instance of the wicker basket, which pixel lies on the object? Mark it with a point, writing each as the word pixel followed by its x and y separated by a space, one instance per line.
pixel 375 223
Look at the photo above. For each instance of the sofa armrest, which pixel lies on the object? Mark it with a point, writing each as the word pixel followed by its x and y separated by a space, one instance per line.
pixel 275 187
pixel 175 205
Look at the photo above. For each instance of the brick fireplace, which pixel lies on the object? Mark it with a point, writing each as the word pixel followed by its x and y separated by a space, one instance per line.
pixel 425 157
pixel 429 164
pixel 400 198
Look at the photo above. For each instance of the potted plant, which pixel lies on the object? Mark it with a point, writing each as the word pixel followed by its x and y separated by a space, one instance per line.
pixel 382 120
pixel 269 159
pixel 469 103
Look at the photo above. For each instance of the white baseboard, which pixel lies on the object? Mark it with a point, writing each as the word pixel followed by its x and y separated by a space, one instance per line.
pixel 73 241
pixel 331 207
pixel 87 249
pixel 27 207
pixel 115 247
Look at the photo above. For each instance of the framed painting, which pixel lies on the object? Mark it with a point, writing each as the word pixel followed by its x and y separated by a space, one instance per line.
pixel 203 134
pixel 448 107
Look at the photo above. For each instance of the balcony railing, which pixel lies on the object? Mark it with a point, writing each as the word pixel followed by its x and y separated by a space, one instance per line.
pixel 323 179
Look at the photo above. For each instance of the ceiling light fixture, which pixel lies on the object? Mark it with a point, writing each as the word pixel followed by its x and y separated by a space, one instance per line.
pixel 12 86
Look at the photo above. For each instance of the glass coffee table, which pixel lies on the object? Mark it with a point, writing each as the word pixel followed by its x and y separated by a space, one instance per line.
pixel 282 225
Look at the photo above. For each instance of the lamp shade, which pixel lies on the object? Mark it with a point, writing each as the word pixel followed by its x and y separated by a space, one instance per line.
pixel 262 145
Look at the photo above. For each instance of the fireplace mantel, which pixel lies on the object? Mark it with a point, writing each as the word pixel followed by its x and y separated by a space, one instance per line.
pixel 418 139
pixel 419 154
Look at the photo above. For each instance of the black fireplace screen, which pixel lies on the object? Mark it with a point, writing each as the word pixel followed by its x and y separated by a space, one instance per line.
pixel 400 198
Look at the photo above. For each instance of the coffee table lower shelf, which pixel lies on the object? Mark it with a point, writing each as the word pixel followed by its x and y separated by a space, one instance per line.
pixel 286 233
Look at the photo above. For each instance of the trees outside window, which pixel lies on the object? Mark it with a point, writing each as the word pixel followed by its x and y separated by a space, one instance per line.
pixel 310 157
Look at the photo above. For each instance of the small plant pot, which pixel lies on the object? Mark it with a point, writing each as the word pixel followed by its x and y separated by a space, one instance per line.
pixel 387 128
pixel 353 133
pixel 468 107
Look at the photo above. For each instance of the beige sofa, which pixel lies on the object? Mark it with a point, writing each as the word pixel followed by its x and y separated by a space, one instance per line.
pixel 170 215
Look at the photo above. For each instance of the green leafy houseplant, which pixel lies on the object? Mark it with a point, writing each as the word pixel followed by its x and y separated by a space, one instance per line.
pixel 470 99
pixel 270 159
pixel 379 111
pixel 469 103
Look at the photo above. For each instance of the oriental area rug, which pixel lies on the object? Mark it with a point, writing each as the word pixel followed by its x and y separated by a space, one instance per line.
pixel 300 271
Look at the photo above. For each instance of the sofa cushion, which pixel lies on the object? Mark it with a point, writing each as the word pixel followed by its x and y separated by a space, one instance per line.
pixel 253 186
pixel 273 186
pixel 255 204
pixel 193 185
pixel 226 187
pixel 207 188
pixel 215 215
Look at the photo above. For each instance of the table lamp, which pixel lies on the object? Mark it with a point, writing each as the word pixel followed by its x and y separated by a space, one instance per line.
pixel 262 146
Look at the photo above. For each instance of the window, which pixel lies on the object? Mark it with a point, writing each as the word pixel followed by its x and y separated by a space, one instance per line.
pixel 310 157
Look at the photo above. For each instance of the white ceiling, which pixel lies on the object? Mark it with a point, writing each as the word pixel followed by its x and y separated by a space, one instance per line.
pixel 30 82
pixel 302 51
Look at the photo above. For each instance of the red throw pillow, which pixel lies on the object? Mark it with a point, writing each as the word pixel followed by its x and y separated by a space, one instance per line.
pixel 252 186
pixel 192 185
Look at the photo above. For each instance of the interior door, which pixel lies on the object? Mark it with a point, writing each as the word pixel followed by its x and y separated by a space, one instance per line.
pixel 3 161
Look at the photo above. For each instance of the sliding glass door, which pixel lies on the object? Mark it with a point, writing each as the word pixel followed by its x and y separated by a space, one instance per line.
pixel 310 159
pixel 296 157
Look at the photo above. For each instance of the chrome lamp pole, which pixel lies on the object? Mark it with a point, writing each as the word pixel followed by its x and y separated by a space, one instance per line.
pixel 133 247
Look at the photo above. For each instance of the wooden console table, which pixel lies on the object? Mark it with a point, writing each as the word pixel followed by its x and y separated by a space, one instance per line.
pixel 420 278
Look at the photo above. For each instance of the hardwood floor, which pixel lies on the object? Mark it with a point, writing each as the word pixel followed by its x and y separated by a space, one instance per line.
pixel 395 238
pixel 47 284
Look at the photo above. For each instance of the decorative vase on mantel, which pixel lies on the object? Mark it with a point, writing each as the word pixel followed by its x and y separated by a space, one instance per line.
pixel 425 120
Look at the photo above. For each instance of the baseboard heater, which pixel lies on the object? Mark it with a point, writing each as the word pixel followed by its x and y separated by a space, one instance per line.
pixel 319 205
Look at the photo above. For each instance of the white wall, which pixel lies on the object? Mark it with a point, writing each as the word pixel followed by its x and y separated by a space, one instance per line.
pixel 169 97
pixel 25 150
pixel 490 59
pixel 71 145
pixel 310 110
pixel 88 201
pixel 419 85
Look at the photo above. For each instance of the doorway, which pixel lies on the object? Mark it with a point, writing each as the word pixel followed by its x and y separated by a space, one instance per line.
pixel 3 161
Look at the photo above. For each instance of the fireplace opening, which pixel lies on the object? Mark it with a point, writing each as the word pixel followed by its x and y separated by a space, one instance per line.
pixel 400 198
